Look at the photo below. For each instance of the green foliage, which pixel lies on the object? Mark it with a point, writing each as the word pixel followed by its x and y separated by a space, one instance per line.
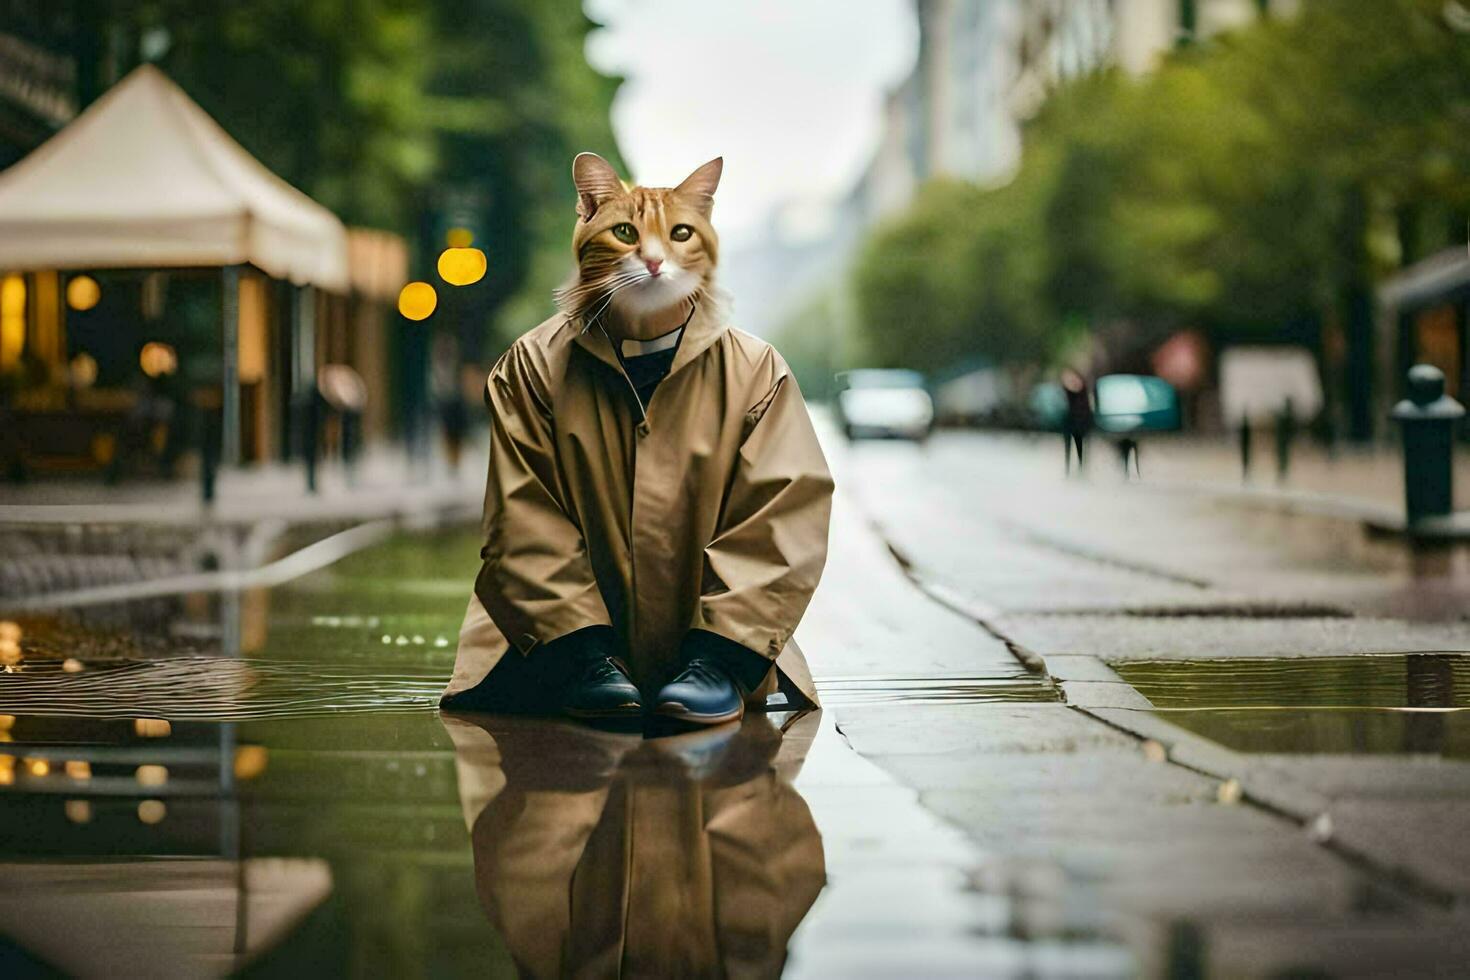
pixel 1246 184
pixel 382 108
pixel 959 274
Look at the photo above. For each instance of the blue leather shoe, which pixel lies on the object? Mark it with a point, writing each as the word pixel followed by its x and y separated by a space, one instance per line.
pixel 601 689
pixel 704 693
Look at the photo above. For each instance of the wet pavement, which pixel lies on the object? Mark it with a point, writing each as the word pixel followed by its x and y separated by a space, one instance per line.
pixel 259 782
pixel 1068 730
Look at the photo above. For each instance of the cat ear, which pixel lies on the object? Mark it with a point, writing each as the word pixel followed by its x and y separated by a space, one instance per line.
pixel 700 186
pixel 596 182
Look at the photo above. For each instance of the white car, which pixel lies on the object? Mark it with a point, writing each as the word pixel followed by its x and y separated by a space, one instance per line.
pixel 884 402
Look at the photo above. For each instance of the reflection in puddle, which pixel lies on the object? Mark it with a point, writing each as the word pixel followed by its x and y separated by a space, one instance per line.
pixel 1020 686
pixel 1385 704
pixel 603 854
pixel 215 689
pixel 1419 680
pixel 338 846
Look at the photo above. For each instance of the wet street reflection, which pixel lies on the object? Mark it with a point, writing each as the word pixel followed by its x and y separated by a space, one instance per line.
pixel 1391 704
pixel 258 784
pixel 603 854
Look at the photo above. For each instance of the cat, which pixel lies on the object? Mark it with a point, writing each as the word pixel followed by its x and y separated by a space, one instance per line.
pixel 644 254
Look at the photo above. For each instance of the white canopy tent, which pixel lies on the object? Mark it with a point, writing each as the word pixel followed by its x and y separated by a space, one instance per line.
pixel 146 179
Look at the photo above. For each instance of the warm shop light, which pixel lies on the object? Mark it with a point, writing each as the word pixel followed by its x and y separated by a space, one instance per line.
pixel 151 775
pixel 158 359
pixel 82 293
pixel 459 238
pixel 151 728
pixel 250 761
pixel 462 266
pixel 417 300
pixel 83 370
pixel 12 320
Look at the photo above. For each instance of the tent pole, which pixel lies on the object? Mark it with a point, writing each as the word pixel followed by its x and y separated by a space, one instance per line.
pixel 230 367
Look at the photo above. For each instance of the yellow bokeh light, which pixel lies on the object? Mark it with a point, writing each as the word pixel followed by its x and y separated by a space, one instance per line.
pixel 10 654
pixel 250 761
pixel 10 630
pixel 72 665
pixel 152 728
pixel 83 371
pixel 151 775
pixel 79 811
pixel 7 722
pixel 152 811
pixel 82 293
pixel 417 300
pixel 38 767
pixel 158 359
pixel 78 769
pixel 462 266
pixel 459 238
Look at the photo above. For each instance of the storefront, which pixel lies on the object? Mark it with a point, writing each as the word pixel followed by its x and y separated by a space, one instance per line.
pixel 152 272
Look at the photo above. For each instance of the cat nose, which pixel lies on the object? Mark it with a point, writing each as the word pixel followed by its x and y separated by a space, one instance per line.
pixel 653 265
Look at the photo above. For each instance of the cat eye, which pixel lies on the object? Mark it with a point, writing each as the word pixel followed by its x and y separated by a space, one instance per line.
pixel 681 233
pixel 625 233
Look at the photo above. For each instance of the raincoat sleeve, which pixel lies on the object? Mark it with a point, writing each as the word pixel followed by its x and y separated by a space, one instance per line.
pixel 771 542
pixel 536 580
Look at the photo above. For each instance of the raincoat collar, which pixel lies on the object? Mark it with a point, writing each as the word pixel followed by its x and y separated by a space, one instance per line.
pixel 704 328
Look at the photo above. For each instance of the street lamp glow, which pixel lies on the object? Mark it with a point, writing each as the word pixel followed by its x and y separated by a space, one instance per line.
pixel 83 293
pixel 417 300
pixel 462 266
pixel 158 359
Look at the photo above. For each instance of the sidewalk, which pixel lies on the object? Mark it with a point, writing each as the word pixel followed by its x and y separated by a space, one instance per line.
pixel 67 539
pixel 386 482
pixel 1364 483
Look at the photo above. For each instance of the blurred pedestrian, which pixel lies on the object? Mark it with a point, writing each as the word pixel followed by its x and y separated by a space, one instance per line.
pixel 448 395
pixel 1286 426
pixel 1077 422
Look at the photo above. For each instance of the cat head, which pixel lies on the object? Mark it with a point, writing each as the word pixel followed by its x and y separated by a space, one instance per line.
pixel 640 249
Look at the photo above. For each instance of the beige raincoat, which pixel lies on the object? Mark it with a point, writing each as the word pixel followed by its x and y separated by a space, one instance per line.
pixel 707 508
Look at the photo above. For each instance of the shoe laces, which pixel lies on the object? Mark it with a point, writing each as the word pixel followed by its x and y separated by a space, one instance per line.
pixel 602 669
pixel 705 670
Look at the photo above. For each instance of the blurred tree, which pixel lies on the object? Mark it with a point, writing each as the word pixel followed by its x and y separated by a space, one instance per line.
pixel 959 274
pixel 1257 186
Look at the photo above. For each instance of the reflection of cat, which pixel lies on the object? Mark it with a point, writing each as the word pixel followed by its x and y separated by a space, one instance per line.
pixel 598 854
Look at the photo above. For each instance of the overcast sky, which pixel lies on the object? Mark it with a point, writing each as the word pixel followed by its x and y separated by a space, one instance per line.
pixel 789 92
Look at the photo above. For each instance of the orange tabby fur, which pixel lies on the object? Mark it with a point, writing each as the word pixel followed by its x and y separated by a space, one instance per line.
pixel 639 286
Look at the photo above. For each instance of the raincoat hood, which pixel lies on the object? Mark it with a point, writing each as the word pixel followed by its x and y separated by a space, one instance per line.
pixel 705 509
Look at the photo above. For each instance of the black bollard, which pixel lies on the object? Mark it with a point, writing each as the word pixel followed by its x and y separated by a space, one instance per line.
pixel 1427 418
pixel 1245 449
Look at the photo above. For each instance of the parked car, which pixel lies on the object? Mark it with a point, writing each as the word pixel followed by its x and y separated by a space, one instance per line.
pixel 877 403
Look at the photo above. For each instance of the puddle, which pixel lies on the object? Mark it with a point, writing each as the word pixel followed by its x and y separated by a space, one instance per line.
pixel 1420 680
pixel 958 689
pixel 256 783
pixel 1389 704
